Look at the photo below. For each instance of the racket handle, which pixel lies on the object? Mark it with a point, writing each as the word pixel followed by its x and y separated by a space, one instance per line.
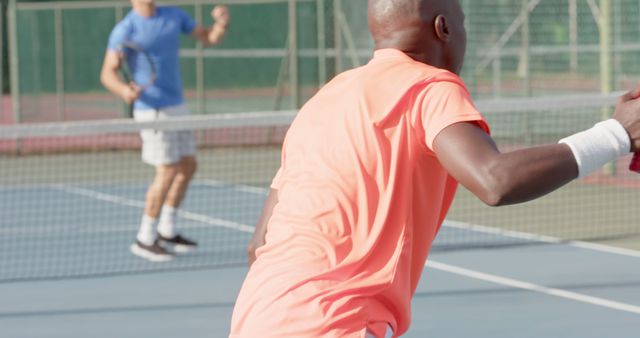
pixel 130 110
pixel 635 163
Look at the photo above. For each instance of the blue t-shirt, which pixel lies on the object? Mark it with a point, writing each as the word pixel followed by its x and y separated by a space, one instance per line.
pixel 159 37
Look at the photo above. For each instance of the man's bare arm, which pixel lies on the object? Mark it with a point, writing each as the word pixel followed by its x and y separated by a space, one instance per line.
pixel 259 234
pixel 471 157
pixel 213 35
pixel 109 78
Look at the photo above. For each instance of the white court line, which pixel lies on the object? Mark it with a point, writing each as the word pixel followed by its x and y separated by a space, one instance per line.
pixel 447 223
pixel 138 204
pixel 79 229
pixel 513 283
pixel 541 238
pixel 48 230
pixel 432 264
pixel 100 196
pixel 472 227
pixel 239 187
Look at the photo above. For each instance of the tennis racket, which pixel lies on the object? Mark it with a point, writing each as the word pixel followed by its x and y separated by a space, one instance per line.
pixel 142 61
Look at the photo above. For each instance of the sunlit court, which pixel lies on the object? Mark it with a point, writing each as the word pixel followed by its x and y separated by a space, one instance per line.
pixel 139 141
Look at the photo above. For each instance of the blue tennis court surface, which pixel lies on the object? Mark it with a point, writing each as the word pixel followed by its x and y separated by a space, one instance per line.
pixel 536 287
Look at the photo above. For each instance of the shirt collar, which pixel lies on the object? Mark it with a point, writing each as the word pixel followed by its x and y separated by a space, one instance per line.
pixel 390 53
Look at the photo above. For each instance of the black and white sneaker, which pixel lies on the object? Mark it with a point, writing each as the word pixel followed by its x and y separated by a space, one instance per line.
pixel 153 252
pixel 178 243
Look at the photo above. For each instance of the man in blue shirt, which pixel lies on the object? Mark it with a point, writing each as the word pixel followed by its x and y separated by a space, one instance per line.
pixel 157 31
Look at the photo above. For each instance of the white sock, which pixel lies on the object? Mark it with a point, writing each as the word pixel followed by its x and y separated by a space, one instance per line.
pixel 147 233
pixel 167 226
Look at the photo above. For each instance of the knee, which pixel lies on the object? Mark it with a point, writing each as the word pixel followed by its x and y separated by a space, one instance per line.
pixel 189 166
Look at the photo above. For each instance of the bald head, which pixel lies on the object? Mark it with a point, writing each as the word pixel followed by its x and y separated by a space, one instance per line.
pixel 393 11
pixel 430 31
pixel 388 16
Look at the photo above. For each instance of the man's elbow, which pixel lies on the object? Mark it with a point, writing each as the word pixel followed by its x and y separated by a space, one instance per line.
pixel 492 196
pixel 201 36
pixel 104 78
pixel 494 188
pixel 494 199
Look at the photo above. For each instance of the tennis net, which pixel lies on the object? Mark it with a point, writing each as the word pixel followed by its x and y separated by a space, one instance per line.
pixel 72 193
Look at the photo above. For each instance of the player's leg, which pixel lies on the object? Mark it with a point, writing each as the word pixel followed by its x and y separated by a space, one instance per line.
pixel 167 232
pixel 160 188
pixel 159 149
pixel 187 166
pixel 147 244
pixel 185 169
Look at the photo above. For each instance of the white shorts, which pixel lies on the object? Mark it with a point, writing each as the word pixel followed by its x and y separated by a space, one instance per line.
pixel 165 147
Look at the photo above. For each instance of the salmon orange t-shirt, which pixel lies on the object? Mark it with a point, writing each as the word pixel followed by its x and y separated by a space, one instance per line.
pixel 361 197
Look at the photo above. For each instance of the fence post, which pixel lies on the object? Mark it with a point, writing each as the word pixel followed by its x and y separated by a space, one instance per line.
pixel 14 61
pixel 1 58
pixel 497 73
pixel 337 36
pixel 293 55
pixel 470 64
pixel 606 74
pixel 59 51
pixel 200 105
pixel 573 34
pixel 322 43
pixel 606 79
pixel 525 51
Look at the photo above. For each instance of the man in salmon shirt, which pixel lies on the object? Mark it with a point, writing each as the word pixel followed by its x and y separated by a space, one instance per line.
pixel 369 169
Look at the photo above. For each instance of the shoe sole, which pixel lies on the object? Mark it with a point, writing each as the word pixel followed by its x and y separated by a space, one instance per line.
pixel 179 248
pixel 138 251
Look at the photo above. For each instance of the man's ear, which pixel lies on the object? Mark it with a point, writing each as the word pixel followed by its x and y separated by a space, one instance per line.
pixel 441 27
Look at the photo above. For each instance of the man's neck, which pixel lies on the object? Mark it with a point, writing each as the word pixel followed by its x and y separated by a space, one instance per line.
pixel 144 9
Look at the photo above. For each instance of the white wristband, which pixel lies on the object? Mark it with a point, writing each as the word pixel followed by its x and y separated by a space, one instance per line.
pixel 595 147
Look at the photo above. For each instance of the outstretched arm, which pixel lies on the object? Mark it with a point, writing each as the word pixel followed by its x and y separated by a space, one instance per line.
pixel 259 234
pixel 213 35
pixel 471 157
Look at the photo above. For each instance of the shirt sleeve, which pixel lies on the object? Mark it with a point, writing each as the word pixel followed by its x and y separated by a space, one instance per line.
pixel 119 35
pixel 187 24
pixel 445 103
